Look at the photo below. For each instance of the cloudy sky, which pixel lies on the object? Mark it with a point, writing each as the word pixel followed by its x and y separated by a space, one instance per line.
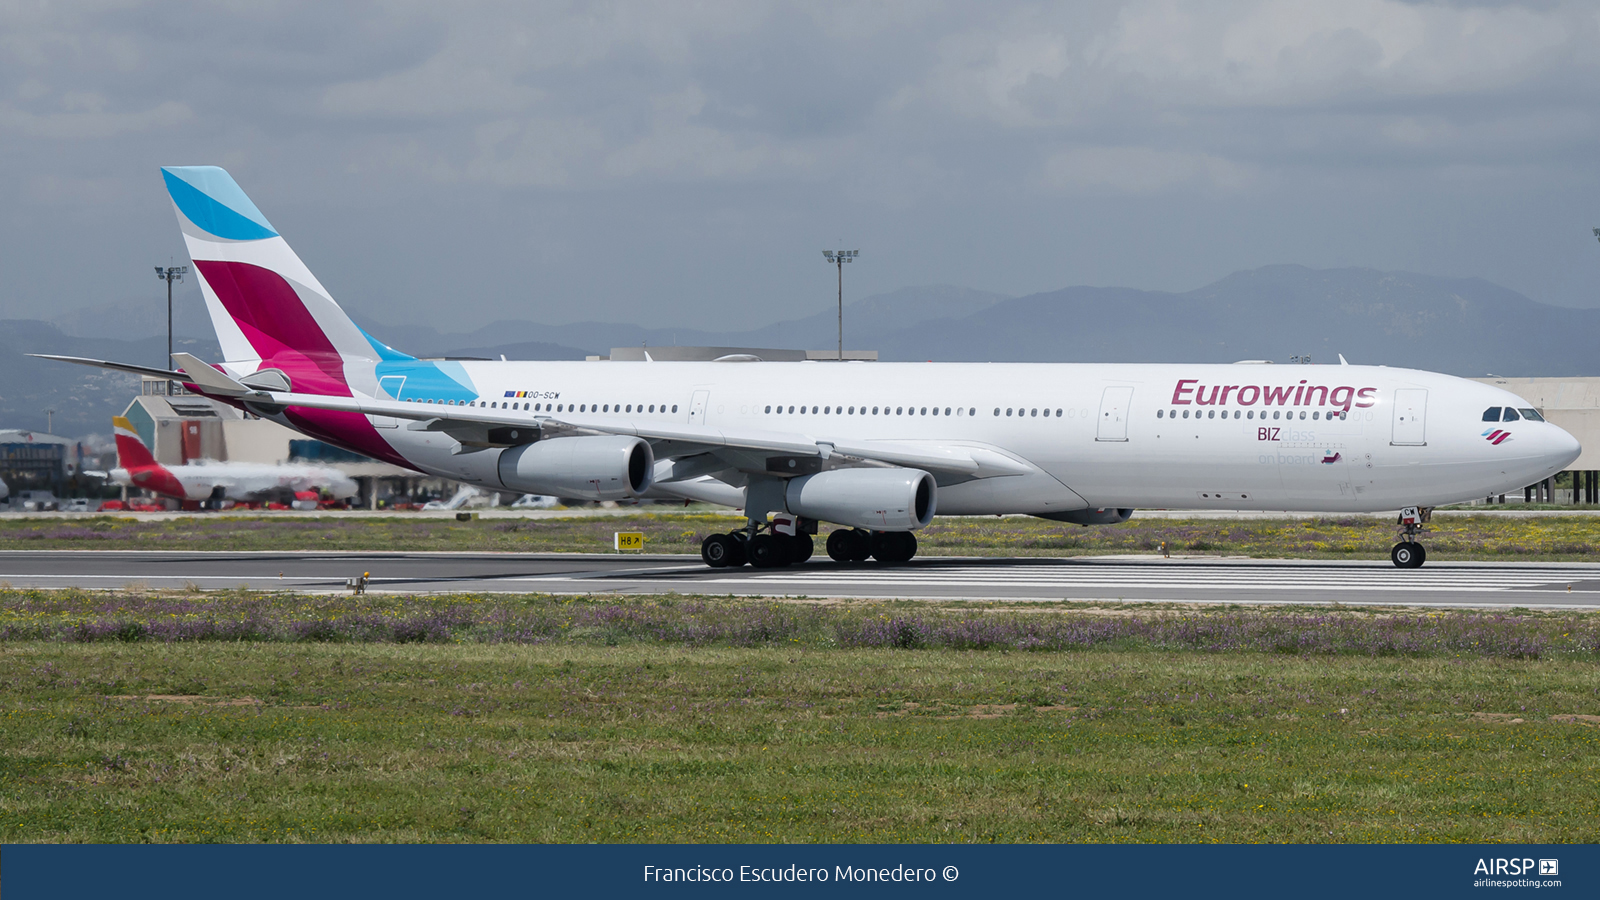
pixel 685 163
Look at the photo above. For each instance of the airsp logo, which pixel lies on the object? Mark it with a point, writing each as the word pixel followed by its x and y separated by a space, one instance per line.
pixel 1524 866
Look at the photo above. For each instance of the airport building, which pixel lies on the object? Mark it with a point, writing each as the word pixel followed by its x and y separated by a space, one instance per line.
pixel 180 427
pixel 34 461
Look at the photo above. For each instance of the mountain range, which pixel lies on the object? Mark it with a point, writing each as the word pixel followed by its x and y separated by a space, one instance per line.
pixel 1463 326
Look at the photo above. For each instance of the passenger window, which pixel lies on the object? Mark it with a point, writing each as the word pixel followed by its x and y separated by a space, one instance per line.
pixel 1160 413
pixel 947 410
pixel 924 411
pixel 1186 414
pixel 674 407
pixel 1492 414
pixel 1315 414
pixel 1302 415
pixel 899 410
pixel 997 410
pixel 769 410
pixel 1034 413
pixel 1211 414
pixel 1008 411
pixel 973 411
pixel 1276 413
pixel 791 410
pixel 1511 415
pixel 1532 415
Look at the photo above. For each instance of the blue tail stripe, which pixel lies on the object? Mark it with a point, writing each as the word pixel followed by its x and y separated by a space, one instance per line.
pixel 211 199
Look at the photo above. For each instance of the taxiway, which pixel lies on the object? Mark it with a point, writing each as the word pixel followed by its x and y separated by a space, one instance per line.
pixel 1124 579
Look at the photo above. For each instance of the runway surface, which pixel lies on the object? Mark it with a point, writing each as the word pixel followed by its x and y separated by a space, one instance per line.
pixel 1125 579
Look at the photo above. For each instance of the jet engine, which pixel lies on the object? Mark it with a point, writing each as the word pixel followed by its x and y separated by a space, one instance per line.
pixel 612 467
pixel 875 499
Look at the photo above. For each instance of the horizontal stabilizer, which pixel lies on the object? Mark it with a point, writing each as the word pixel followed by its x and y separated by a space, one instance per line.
pixel 152 371
pixel 214 382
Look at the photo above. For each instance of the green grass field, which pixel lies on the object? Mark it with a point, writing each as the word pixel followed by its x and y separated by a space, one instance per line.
pixel 545 719
pixel 1483 537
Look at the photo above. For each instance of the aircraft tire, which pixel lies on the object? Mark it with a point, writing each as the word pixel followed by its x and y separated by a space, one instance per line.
pixel 767 552
pixel 800 548
pixel 1408 555
pixel 717 550
pixel 842 545
pixel 893 546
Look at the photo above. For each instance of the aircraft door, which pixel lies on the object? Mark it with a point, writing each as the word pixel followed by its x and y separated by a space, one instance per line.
pixel 1114 403
pixel 697 407
pixel 1410 418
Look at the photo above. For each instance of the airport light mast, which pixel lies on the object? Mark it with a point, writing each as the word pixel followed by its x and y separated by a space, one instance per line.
pixel 839 258
pixel 169 275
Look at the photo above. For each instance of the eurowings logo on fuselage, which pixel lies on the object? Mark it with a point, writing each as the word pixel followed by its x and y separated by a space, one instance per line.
pixel 1496 436
pixel 1329 457
pixel 1190 391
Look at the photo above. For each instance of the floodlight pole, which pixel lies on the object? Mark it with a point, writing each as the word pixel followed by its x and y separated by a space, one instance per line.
pixel 169 275
pixel 839 258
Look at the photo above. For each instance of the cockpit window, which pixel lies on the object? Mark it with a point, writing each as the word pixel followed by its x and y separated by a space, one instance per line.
pixel 1510 416
pixel 1532 415
pixel 1492 414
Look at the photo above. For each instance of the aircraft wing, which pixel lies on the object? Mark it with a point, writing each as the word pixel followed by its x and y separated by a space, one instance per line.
pixel 487 427
pixel 483 427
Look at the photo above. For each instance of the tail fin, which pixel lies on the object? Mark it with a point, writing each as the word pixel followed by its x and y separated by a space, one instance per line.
pixel 269 311
pixel 131 451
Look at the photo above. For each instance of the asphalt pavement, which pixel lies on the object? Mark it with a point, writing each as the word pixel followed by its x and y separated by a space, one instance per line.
pixel 1120 578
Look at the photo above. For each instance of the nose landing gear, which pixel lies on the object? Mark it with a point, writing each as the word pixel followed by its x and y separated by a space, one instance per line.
pixel 1408 554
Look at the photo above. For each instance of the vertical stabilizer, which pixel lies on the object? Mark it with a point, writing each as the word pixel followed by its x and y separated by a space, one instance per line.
pixel 268 309
pixel 131 451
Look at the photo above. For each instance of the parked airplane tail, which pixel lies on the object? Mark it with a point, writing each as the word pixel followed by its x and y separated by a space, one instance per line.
pixel 131 451
pixel 269 311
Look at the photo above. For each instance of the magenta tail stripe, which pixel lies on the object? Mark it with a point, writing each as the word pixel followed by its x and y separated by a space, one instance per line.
pixel 276 322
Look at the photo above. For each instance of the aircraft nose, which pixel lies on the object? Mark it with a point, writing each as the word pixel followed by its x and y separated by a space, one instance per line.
pixel 1563 448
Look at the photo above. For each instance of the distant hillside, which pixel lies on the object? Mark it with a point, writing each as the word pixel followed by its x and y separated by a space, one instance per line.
pixel 1464 326
pixel 84 398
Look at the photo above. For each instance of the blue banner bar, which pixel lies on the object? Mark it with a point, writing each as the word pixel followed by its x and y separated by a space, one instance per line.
pixel 311 872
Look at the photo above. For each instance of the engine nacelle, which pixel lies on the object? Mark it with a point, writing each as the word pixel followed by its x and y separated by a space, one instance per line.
pixel 1107 516
pixel 613 467
pixel 876 499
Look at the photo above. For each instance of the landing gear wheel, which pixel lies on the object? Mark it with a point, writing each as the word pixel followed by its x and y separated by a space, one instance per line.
pixel 767 551
pixel 741 553
pixel 842 545
pixel 1408 555
pixel 717 551
pixel 800 548
pixel 893 546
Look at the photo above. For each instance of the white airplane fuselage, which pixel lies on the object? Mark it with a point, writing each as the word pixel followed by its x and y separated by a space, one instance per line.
pixel 1243 436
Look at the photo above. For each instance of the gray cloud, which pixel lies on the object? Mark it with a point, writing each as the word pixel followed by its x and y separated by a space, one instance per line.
pixel 684 162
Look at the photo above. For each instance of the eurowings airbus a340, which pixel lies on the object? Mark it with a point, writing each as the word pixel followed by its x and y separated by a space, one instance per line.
pixel 875 447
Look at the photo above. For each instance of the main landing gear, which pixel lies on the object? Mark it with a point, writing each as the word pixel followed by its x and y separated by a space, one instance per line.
pixel 764 550
pixel 856 545
pixel 1408 554
pixel 769 549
